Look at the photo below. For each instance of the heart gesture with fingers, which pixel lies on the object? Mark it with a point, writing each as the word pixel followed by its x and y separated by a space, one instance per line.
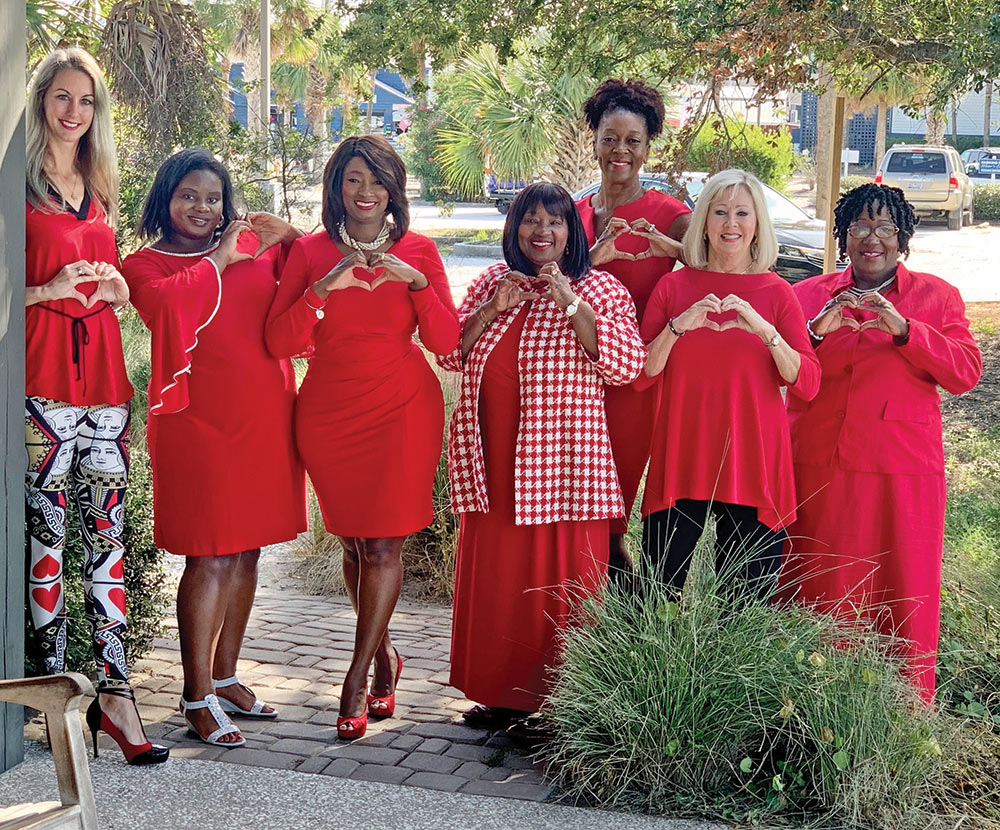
pixel 558 285
pixel 395 270
pixel 511 291
pixel 660 245
pixel 696 317
pixel 271 230
pixel 747 318
pixel 111 287
pixel 341 276
pixel 831 317
pixel 604 249
pixel 888 319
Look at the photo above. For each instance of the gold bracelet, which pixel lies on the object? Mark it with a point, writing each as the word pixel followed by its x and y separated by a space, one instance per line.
pixel 482 319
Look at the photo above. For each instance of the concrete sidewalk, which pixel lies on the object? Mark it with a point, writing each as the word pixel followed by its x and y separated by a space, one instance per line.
pixel 201 795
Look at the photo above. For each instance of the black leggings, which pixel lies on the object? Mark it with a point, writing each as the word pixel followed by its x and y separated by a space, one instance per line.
pixel 747 552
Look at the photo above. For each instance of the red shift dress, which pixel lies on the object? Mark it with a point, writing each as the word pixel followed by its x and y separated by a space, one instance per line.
pixel 370 415
pixel 97 375
pixel 226 477
pixel 721 433
pixel 631 411
pixel 514 583
pixel 869 463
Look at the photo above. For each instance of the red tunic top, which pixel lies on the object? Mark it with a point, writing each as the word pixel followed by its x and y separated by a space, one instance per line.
pixel 369 420
pixel 226 477
pixel 878 408
pixel 631 411
pixel 98 376
pixel 721 432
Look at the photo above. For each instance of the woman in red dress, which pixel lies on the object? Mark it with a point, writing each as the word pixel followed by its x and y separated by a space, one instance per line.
pixel 633 235
pixel 226 477
pixel 726 334
pixel 869 460
pixel 531 466
pixel 77 393
pixel 370 414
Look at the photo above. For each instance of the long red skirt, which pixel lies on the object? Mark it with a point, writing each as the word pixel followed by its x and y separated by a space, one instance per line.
pixel 631 414
pixel 870 544
pixel 514 585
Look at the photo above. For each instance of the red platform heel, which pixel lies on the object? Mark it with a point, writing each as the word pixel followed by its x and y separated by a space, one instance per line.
pixel 384 707
pixel 137 755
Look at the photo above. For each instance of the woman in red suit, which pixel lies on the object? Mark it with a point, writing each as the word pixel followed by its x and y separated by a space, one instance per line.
pixel 370 413
pixel 633 235
pixel 869 461
pixel 77 393
pixel 226 477
pixel 727 334
pixel 531 466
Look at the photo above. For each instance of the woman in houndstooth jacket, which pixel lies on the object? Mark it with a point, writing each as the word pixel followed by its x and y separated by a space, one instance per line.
pixel 532 473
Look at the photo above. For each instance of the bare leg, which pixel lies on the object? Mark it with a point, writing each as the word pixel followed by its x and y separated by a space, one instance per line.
pixel 373 569
pixel 242 590
pixel 202 600
pixel 385 654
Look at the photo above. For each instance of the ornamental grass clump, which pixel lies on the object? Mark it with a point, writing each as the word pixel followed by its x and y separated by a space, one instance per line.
pixel 747 713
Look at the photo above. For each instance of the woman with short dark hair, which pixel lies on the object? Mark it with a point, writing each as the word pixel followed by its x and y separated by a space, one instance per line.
pixel 370 413
pixel 869 460
pixel 220 416
pixel 635 235
pixel 531 467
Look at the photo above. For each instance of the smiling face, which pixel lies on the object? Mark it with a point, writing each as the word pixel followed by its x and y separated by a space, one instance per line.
pixel 622 146
pixel 542 236
pixel 873 259
pixel 68 105
pixel 731 227
pixel 196 206
pixel 365 197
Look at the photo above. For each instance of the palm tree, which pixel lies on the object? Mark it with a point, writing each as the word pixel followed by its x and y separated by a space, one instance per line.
pixel 55 23
pixel 523 117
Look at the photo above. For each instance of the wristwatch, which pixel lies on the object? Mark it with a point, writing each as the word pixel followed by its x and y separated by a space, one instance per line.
pixel 774 341
pixel 573 307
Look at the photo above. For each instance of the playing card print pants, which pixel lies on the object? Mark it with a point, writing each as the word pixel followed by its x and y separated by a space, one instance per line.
pixel 77 454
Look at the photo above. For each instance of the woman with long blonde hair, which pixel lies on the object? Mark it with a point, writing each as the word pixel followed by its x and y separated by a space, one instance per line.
pixel 77 393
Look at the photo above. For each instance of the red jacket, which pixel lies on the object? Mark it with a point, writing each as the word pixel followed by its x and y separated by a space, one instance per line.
pixel 878 410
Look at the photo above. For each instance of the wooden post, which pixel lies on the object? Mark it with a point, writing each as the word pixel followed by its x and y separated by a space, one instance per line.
pixel 833 183
pixel 12 458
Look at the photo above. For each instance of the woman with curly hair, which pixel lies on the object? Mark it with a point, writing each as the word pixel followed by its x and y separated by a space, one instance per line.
pixel 869 460
pixel 634 235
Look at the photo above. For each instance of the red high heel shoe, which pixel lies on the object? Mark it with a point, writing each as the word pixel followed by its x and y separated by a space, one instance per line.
pixel 350 728
pixel 384 707
pixel 136 754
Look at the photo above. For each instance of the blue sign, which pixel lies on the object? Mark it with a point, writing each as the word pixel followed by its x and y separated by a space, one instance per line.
pixel 990 165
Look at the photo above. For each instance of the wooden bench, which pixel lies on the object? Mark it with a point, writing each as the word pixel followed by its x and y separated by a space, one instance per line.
pixel 58 697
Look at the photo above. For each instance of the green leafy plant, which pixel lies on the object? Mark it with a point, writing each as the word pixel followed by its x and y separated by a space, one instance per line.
pixel 986 202
pixel 729 142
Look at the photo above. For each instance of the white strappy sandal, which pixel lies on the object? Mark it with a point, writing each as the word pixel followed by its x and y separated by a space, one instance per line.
pixel 211 702
pixel 255 711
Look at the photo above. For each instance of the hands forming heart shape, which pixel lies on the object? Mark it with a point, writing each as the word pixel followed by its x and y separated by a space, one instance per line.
pixel 384 267
pixel 832 317
pixel 746 319
pixel 660 245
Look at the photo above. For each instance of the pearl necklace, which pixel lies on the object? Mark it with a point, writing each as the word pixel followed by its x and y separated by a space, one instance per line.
pixel 351 242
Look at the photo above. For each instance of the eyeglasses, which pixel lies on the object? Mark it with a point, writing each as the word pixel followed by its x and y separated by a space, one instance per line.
pixel 881 231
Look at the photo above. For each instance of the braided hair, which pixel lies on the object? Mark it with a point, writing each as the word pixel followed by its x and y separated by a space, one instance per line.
pixel 633 96
pixel 872 198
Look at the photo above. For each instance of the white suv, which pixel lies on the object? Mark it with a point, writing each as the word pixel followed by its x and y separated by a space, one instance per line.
pixel 932 178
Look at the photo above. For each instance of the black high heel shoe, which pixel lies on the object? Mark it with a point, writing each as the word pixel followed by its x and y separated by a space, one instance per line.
pixel 136 754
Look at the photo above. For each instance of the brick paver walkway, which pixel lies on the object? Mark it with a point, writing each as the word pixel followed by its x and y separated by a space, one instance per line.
pixel 296 653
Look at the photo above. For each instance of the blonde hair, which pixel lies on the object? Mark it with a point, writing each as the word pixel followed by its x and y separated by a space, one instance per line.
pixel 96 157
pixel 764 248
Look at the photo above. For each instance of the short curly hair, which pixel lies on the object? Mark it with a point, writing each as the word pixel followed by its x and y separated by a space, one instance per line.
pixel 872 198
pixel 633 96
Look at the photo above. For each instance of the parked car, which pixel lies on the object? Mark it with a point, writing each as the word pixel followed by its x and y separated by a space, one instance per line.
pixel 801 238
pixel 502 191
pixel 933 179
pixel 972 159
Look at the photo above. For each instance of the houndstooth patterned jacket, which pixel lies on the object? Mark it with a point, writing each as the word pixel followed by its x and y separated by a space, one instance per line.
pixel 564 469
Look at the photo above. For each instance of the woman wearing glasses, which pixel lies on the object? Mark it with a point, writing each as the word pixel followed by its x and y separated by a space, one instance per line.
pixel 869 461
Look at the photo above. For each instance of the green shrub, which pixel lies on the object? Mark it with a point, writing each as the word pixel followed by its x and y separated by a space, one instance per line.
pixel 733 143
pixel 986 202
pixel 851 182
pixel 746 714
